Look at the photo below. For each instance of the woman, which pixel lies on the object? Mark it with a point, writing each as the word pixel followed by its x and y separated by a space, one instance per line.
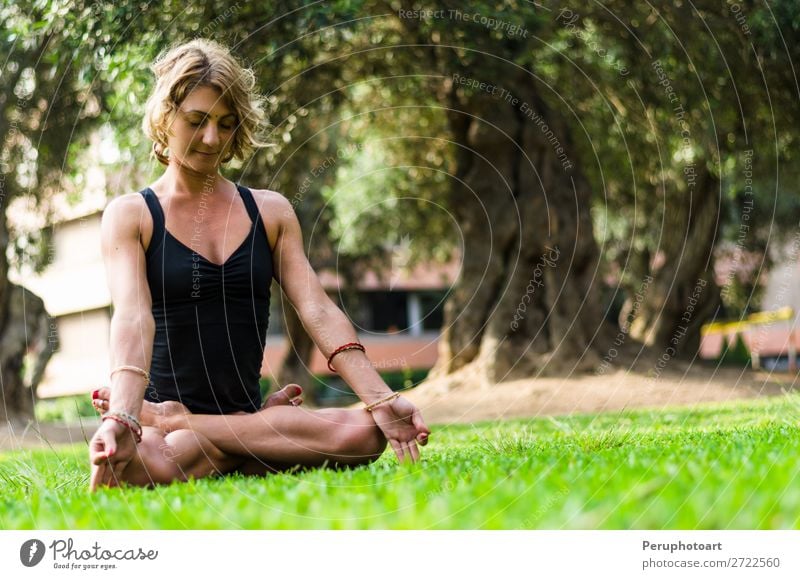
pixel 189 262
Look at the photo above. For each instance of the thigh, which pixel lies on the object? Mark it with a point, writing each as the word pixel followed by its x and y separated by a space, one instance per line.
pixel 163 458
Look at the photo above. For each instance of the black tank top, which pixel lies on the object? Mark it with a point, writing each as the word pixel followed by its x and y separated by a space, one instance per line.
pixel 211 320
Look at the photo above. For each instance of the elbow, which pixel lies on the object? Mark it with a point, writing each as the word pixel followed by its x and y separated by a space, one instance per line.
pixel 313 315
pixel 319 313
pixel 141 321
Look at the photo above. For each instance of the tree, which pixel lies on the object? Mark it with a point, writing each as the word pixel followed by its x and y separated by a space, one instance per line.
pixel 710 127
pixel 52 93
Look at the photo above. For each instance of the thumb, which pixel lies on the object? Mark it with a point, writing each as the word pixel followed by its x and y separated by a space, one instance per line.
pixel 422 430
pixel 107 446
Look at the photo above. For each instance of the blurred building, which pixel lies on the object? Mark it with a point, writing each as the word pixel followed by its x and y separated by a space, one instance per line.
pixel 772 345
pixel 398 314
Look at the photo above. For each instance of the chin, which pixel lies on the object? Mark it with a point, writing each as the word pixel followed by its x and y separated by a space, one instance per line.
pixel 199 164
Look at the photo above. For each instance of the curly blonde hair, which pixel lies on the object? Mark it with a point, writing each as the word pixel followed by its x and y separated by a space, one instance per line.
pixel 201 62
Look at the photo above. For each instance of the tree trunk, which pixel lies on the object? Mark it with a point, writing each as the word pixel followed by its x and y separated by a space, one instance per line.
pixel 26 330
pixel 683 294
pixel 295 367
pixel 525 302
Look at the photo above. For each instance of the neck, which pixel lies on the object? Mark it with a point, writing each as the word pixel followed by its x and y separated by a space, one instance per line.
pixel 182 180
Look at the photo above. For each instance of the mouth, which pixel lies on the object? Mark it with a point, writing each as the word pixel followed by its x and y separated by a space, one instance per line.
pixel 207 154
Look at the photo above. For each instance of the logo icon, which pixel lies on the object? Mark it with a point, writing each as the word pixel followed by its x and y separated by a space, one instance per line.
pixel 31 553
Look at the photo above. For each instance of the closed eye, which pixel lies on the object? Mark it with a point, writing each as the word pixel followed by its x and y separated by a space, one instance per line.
pixel 200 123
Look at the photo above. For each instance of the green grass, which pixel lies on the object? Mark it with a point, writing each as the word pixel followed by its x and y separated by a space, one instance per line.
pixel 727 466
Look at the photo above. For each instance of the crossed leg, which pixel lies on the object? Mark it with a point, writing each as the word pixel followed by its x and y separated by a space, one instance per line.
pixel 179 445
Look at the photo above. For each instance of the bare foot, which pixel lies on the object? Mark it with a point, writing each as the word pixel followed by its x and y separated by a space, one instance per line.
pixel 291 395
pixel 153 413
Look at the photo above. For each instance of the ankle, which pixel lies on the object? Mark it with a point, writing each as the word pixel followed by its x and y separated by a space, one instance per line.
pixel 171 423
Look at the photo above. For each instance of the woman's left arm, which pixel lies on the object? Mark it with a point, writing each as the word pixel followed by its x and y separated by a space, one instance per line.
pixel 327 325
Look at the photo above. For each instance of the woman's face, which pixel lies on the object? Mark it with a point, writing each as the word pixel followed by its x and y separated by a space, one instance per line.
pixel 202 131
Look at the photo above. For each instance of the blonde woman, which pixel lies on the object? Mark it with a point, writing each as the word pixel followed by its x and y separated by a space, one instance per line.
pixel 189 262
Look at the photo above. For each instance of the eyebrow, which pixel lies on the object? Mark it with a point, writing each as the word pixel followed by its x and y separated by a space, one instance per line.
pixel 205 114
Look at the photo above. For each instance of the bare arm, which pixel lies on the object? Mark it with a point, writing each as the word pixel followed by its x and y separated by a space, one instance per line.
pixel 323 320
pixel 132 325
pixel 132 330
pixel 399 419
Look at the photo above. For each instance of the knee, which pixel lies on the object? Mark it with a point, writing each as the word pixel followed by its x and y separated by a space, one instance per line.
pixel 360 441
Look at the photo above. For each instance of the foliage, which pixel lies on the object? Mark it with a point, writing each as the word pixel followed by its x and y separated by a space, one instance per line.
pixel 355 73
pixel 65 409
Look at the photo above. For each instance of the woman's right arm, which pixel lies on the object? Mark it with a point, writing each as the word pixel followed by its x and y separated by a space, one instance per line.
pixel 132 325
pixel 132 332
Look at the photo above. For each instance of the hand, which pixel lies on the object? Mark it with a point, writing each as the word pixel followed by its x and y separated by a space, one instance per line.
pixel 111 449
pixel 402 424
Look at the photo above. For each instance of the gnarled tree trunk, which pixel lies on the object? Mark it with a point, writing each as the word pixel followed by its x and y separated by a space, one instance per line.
pixel 295 367
pixel 683 293
pixel 525 301
pixel 25 329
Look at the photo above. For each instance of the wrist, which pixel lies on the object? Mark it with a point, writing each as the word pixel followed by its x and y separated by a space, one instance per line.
pixel 126 421
pixel 112 425
pixel 381 402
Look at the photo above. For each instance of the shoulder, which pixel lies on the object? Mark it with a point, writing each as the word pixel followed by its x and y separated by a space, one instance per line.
pixel 272 203
pixel 127 217
pixel 125 203
pixel 277 212
pixel 125 213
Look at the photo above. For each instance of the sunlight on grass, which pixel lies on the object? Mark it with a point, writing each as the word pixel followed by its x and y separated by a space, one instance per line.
pixel 723 466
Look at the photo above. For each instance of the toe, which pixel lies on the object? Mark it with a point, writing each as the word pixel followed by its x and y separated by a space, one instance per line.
pixel 292 390
pixel 285 395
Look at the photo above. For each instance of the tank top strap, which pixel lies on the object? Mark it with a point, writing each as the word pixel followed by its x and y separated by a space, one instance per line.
pixel 155 211
pixel 249 203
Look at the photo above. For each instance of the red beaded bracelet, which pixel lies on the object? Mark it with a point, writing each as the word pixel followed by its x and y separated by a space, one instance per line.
pixel 137 434
pixel 340 349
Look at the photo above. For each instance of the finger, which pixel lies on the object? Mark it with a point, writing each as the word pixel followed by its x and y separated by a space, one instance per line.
pixel 108 473
pixel 412 447
pixel 97 477
pixel 398 450
pixel 99 452
pixel 409 457
pixel 422 430
pixel 117 472
pixel 110 443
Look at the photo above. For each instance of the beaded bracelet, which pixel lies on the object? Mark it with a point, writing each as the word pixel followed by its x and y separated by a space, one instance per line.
pixel 145 374
pixel 340 349
pixel 392 396
pixel 129 418
pixel 115 416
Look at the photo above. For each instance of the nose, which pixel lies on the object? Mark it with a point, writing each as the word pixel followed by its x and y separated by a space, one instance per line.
pixel 211 135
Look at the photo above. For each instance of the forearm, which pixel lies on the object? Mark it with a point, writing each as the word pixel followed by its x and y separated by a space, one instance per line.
pixel 330 328
pixel 131 345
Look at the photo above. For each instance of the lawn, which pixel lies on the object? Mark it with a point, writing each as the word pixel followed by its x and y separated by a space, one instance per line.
pixel 731 466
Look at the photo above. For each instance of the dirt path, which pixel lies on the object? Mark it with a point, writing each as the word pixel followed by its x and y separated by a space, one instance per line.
pixel 45 434
pixel 447 401
pixel 451 400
